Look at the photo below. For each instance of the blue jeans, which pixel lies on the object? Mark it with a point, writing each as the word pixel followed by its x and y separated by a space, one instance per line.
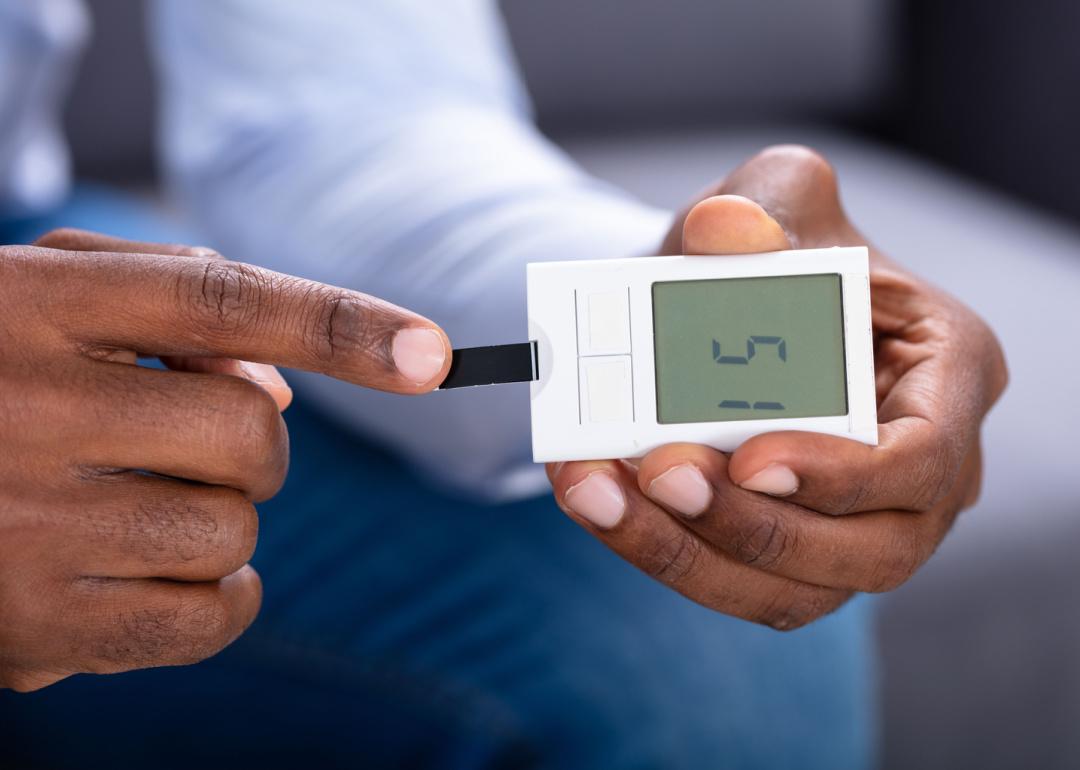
pixel 403 627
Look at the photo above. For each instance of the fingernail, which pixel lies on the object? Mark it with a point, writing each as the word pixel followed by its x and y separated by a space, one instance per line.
pixel 263 374
pixel 682 489
pixel 419 354
pixel 597 498
pixel 269 379
pixel 775 479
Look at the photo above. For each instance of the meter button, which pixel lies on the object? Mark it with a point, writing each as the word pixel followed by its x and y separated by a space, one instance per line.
pixel 603 322
pixel 607 389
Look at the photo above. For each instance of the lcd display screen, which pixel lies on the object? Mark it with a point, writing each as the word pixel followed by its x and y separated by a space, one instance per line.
pixel 749 348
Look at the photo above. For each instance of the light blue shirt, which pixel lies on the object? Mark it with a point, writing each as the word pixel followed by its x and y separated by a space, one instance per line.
pixel 387 146
pixel 39 43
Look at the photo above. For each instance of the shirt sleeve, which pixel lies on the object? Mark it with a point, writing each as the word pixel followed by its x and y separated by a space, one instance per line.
pixel 387 146
pixel 39 43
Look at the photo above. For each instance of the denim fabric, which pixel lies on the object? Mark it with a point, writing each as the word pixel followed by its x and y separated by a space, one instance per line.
pixel 402 627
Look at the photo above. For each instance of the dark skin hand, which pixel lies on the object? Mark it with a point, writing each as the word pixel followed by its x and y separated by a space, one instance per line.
pixel 126 493
pixel 785 529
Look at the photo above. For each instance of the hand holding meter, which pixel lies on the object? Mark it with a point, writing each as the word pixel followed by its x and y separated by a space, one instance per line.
pixel 673 358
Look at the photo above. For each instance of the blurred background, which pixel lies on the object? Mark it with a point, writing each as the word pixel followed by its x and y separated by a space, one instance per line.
pixel 953 129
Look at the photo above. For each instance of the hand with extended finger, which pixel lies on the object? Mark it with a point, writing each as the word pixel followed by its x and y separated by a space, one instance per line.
pixel 126 516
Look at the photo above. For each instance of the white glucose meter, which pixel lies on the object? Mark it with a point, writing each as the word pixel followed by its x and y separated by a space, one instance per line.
pixel 632 354
pixel 627 355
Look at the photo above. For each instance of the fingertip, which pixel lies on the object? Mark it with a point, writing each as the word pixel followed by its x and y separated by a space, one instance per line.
pixel 282 396
pixel 594 494
pixel 565 474
pixel 731 224
pixel 775 480
pixel 663 459
pixel 682 488
pixel 269 379
pixel 421 355
pixel 809 466
pixel 757 454
pixel 243 590
pixel 751 457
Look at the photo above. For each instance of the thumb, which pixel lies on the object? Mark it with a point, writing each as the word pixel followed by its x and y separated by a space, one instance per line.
pixel 784 197
pixel 731 224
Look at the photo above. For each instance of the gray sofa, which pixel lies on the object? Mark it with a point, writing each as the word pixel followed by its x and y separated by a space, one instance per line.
pixel 660 97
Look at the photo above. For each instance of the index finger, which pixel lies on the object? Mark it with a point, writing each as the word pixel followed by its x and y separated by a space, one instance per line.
pixel 263 375
pixel 207 307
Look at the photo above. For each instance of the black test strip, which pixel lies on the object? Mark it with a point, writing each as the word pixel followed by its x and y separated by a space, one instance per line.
pixel 492 365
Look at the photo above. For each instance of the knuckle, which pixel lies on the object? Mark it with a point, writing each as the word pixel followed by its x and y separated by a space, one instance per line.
pixel 972 493
pixel 937 470
pixel 343 324
pixel 205 627
pixel 850 498
pixel 174 528
pixel 223 298
pixel 260 444
pixel 239 528
pixel 995 364
pixel 917 470
pixel 1000 374
pixel 243 529
pixel 804 162
pixel 897 563
pixel 675 559
pixel 766 544
pixel 800 607
pixel 218 527
pixel 185 632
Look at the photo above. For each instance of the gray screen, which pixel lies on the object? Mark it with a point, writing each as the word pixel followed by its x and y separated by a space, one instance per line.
pixel 749 348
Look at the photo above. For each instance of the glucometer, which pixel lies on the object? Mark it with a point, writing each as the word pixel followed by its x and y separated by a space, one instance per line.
pixel 627 355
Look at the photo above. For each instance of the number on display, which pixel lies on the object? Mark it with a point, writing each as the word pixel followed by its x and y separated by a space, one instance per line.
pixel 752 343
